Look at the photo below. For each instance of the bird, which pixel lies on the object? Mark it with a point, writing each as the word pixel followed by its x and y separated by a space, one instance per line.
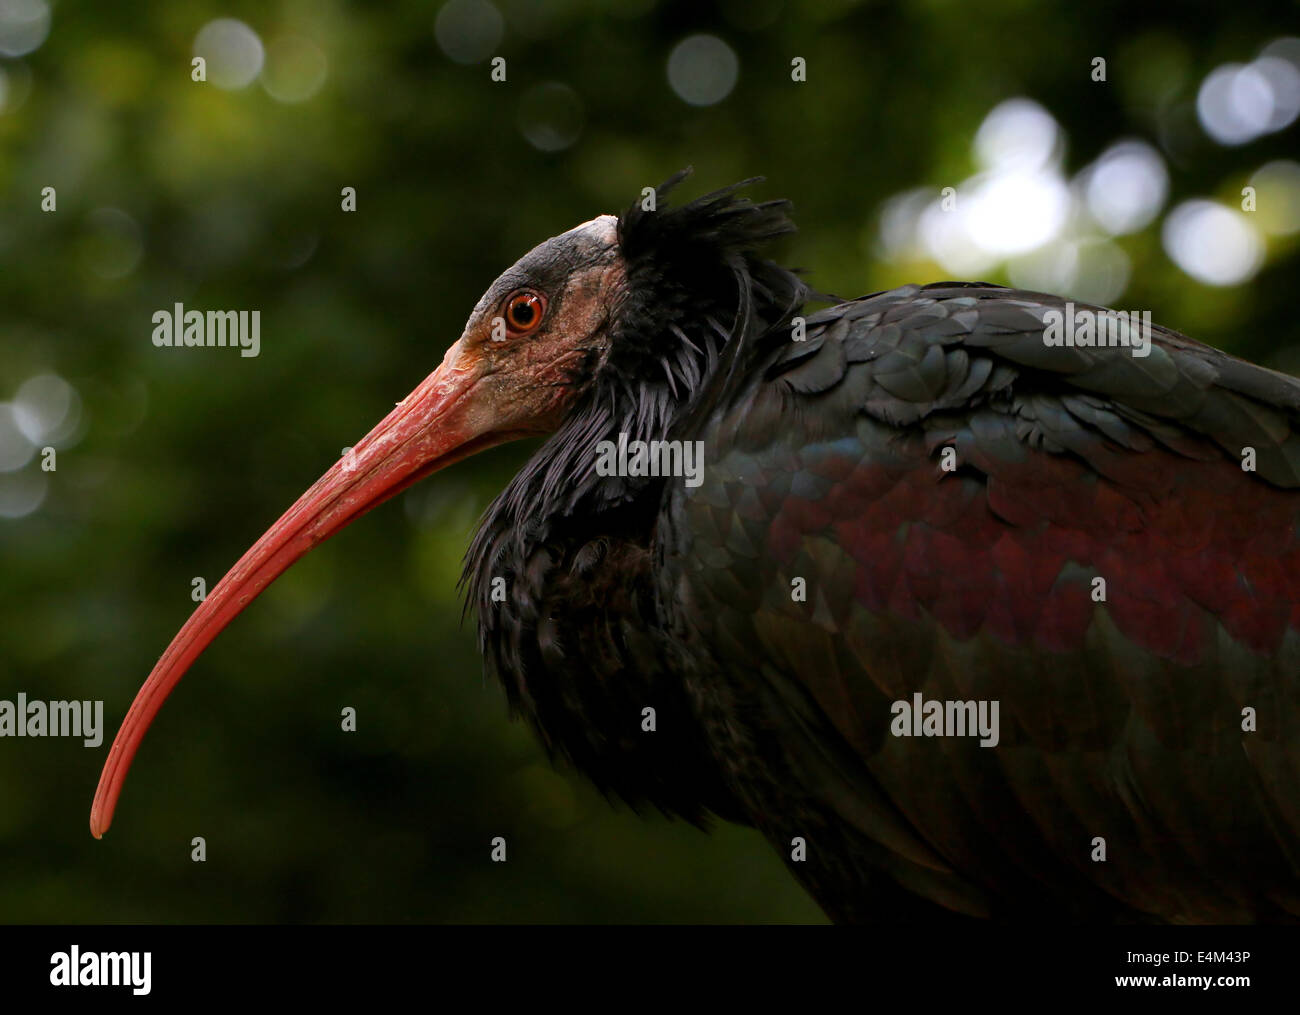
pixel 971 621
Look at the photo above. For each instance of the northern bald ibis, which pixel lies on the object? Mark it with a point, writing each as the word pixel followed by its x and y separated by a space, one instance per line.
pixel 974 608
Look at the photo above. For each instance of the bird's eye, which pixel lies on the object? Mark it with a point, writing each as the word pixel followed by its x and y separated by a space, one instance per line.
pixel 524 311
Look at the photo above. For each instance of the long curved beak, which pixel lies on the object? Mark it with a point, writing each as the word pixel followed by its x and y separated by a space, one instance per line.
pixel 438 424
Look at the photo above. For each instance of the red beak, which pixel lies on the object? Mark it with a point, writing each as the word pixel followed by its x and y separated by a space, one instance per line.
pixel 433 427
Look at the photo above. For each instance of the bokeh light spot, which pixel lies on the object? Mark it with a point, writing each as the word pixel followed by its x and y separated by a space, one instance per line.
pixel 551 116
pixel 702 70
pixel 1010 213
pixel 1126 187
pixel 1238 103
pixel 232 51
pixel 468 31
pixel 46 409
pixel 1017 134
pixel 24 25
pixel 1211 243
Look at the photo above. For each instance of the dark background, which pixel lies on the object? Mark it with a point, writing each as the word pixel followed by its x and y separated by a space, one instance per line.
pixel 171 462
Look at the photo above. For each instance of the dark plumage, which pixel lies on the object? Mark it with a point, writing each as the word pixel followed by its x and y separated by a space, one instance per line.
pixel 1121 719
pixel 571 545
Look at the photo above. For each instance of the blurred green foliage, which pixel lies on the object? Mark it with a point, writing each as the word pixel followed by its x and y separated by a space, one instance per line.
pixel 231 199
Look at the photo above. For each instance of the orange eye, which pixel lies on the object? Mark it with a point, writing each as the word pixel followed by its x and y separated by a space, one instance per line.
pixel 524 312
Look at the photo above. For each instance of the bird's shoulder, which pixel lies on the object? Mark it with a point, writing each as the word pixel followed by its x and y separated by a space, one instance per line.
pixel 916 352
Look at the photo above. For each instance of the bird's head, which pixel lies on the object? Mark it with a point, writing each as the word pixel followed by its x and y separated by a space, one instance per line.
pixel 621 320
pixel 531 343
